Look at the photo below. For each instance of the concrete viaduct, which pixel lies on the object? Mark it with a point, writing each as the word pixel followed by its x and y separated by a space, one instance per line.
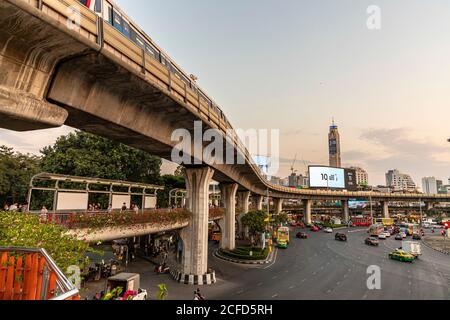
pixel 93 78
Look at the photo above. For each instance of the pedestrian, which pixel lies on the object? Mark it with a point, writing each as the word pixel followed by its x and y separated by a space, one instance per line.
pixel 13 207
pixel 110 209
pixel 136 208
pixel 124 207
pixel 44 214
pixel 5 207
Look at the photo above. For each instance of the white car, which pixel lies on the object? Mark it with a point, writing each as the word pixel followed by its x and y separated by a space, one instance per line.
pixel 403 235
pixel 328 230
pixel 387 234
pixel 382 236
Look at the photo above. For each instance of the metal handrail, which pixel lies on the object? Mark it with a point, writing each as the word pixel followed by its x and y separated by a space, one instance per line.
pixel 66 287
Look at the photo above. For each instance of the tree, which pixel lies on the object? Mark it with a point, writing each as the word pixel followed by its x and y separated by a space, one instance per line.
pixel 16 170
pixel 280 219
pixel 255 221
pixel 87 155
pixel 170 182
pixel 25 230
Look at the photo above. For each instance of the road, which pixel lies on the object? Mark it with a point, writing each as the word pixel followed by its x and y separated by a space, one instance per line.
pixel 323 268
pixel 314 269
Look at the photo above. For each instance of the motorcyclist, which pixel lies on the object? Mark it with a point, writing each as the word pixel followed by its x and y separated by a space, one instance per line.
pixel 198 295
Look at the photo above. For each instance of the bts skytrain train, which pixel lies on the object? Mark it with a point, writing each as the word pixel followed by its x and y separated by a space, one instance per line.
pixel 113 15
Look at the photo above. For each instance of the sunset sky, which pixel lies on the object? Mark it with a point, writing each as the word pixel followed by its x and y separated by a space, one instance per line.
pixel 293 65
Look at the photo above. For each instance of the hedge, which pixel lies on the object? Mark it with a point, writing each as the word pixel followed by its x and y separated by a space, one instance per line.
pixel 243 253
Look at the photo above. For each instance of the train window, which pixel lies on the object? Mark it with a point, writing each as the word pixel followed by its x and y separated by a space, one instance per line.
pixel 107 12
pixel 126 28
pixel 117 20
pixel 98 6
pixel 150 50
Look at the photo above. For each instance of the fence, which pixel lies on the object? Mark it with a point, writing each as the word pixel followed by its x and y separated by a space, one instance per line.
pixel 31 274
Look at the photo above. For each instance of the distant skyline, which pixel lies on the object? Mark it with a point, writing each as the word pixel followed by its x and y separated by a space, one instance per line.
pixel 293 65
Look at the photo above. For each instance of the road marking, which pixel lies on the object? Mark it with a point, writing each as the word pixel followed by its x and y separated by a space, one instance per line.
pixel 304 280
pixel 329 291
pixel 338 283
pixel 274 277
pixel 275 295
pixel 364 296
pixel 291 287
pixel 287 271
pixel 240 291
pixel 260 284
pixel 314 273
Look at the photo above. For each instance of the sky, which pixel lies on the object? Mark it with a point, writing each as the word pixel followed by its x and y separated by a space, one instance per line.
pixel 293 65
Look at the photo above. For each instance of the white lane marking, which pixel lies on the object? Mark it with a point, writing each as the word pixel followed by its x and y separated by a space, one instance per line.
pixel 240 291
pixel 291 287
pixel 364 296
pixel 274 277
pixel 260 284
pixel 304 280
pixel 275 295
pixel 274 260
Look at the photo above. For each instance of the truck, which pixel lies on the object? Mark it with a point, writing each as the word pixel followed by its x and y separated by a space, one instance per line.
pixel 412 247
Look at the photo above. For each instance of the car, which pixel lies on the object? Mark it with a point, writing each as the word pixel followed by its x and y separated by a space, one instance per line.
pixel 302 235
pixel 372 241
pixel 387 234
pixel 314 229
pixel 340 237
pixel 398 236
pixel 401 255
pixel 381 236
pixel 417 236
pixel 403 235
pixel 328 230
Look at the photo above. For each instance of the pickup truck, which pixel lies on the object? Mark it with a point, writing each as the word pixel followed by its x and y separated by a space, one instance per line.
pixel 412 247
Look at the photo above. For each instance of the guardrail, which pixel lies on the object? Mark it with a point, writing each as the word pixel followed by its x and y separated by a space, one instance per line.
pixel 31 274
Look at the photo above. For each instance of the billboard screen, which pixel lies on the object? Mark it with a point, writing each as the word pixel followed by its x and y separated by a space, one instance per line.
pixel 326 177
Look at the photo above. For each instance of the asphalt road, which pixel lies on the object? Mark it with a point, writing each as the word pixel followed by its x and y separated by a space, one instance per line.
pixel 323 268
pixel 316 268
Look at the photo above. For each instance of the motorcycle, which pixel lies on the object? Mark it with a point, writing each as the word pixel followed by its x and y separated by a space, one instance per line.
pixel 162 268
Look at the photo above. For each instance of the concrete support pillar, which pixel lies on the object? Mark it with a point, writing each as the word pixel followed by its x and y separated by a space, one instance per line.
pixel 195 235
pixel 307 210
pixel 243 205
pixel 259 202
pixel 345 210
pixel 385 209
pixel 228 238
pixel 278 205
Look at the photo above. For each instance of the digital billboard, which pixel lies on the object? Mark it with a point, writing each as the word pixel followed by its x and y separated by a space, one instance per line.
pixel 326 177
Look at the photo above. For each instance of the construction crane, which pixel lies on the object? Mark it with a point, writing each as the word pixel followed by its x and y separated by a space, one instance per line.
pixel 292 166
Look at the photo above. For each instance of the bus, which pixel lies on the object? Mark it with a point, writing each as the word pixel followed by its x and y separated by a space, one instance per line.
pixel 362 221
pixel 283 237
pixel 409 228
pixel 376 229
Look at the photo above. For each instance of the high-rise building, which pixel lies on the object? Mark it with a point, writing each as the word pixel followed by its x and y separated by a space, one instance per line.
pixel 362 178
pixel 334 145
pixel 399 181
pixel 429 185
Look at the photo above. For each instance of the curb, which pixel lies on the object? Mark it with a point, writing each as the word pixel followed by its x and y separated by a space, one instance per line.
pixel 198 280
pixel 433 248
pixel 254 262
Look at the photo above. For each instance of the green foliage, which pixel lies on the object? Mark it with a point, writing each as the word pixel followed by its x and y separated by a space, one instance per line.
pixel 16 170
pixel 280 219
pixel 25 230
pixel 243 253
pixel 170 182
pixel 163 292
pixel 114 219
pixel 87 155
pixel 254 220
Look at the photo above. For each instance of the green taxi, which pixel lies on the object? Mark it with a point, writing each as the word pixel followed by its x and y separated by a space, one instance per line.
pixel 282 243
pixel 401 255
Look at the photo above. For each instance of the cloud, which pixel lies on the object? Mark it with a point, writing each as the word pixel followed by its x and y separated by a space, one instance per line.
pixel 32 141
pixel 396 149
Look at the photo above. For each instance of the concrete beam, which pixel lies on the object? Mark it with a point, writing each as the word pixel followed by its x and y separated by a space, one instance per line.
pixel 195 236
pixel 228 239
pixel 307 204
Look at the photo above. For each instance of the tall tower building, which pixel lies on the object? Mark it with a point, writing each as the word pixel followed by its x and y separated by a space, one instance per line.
pixel 334 144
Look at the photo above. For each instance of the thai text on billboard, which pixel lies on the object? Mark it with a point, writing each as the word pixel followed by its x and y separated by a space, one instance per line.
pixel 326 177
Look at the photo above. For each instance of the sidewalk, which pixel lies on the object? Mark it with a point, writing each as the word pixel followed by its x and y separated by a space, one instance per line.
pixel 438 243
